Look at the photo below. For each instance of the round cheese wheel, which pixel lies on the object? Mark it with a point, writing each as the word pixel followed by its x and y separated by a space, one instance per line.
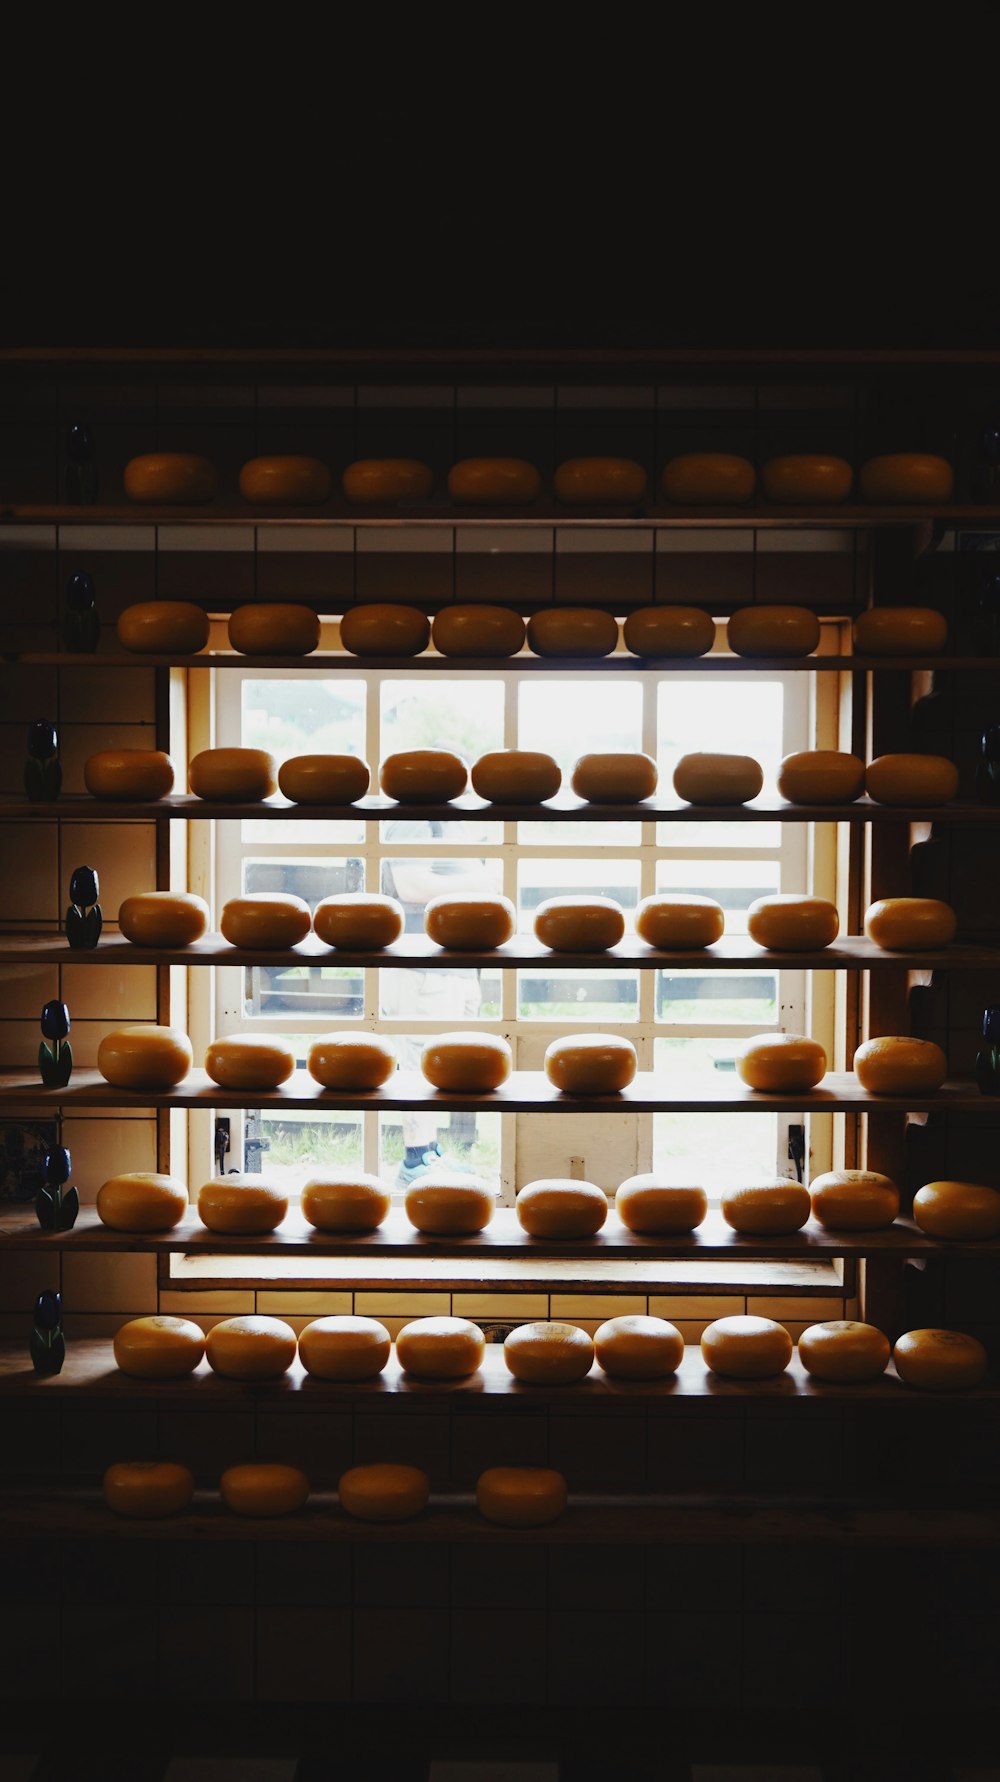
pixel 284 480
pixel 907 476
pixel 940 1360
pixel 854 1200
pixel 910 924
pixel 251 1348
pixel 385 629
pixel 345 1200
pixel 249 1061
pixel 654 1208
pixel 821 776
pixel 242 1204
pixel 717 779
pixel 494 631
pixel 145 1057
pixel 576 632
pixel 679 922
pixel 163 628
pixel 233 776
pixel 469 1063
pixel 780 1206
pixel 351 1061
pixel 423 776
pixel 124 775
pixel 384 1492
pixel 654 631
pixel 163 918
pixel 773 631
pixel 579 924
pixel 547 1354
pixel 638 1348
pixel 781 1063
pixel 270 919
pixel 148 1488
pixel 141 1200
pixel 580 482
pixel 516 776
pixel 590 1063
pixel 180 477
pixel 559 1207
pixel 792 921
pixel 493 482
pixel 900 1065
pixel 806 476
pixel 263 1489
pixel 344 1348
pixel 267 628
pixel 324 779
pixel 440 1348
pixel 844 1351
pixel 159 1348
pixel 443 1203
pixel 709 479
pixel 746 1348
pixel 900 631
pixel 369 481
pixel 521 1496
pixel 614 779
pixel 470 921
pixel 962 1210
pixel 358 921
pixel 912 779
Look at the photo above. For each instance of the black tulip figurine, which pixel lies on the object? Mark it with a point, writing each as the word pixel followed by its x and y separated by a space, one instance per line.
pixel 42 772
pixel 55 1054
pixel 81 467
pixel 83 917
pixel 988 767
pixel 56 1205
pixel 81 628
pixel 48 1345
pixel 988 1059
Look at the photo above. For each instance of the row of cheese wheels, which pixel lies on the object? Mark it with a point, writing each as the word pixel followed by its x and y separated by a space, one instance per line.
pixel 692 478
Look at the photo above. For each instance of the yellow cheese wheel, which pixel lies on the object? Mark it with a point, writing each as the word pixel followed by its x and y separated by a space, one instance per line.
pixel 548 1354
pixel 912 779
pixel 124 775
pixel 940 1360
pixel 170 477
pixel 440 1348
pixel 148 1488
pixel 806 476
pixel 654 1208
pixel 385 629
pixel 469 1063
pixel 516 776
pixel 163 918
pixel 423 776
pixel 369 481
pixel 965 1211
pixel 358 921
pixel 635 1347
pixel 145 1057
pixel 384 1492
pixel 494 482
pixel 900 1065
pixel 614 778
pixel 907 476
pixel 579 924
pixel 654 631
pixel 576 632
pixel 844 1351
pixel 249 1061
pixel 793 921
pixel 494 631
pixel 746 1348
pixel 243 1204
pixel 233 776
pixel 159 1348
pixel 709 479
pixel 285 480
pixel 900 631
pixel 263 1489
pixel 679 921
pixel 780 1206
pixel 854 1200
pixel 163 628
pixel 821 776
pixel 251 1348
pixel 704 778
pixel 324 779
pixel 470 921
pixel 590 1063
pixel 910 924
pixel 345 1200
pixel 781 1063
pixel 619 482
pixel 141 1200
pixel 273 628
pixel 269 919
pixel 445 1203
pixel 773 631
pixel 344 1348
pixel 351 1061
pixel 521 1496
pixel 560 1207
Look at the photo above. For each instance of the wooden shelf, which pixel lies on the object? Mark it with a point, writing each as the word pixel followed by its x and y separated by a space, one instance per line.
pixel 330 662
pixel 835 518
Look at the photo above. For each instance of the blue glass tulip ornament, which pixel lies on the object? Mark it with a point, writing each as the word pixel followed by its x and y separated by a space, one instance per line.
pixel 83 917
pixel 48 1345
pixel 42 772
pixel 57 1205
pixel 81 627
pixel 988 767
pixel 55 1054
pixel 81 466
pixel 988 1057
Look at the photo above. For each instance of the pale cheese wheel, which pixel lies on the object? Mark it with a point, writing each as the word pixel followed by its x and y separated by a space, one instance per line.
pixel 249 1061
pixel 467 1063
pixel 744 1347
pixel 129 775
pixel 446 1203
pixel 579 924
pixel 145 1057
pixel 163 918
pixel 148 1488
pixel 781 1063
pixel 790 631
pixel 709 479
pixel 781 1206
pixel 285 480
pixel 269 919
pixel 799 477
pixel 521 1496
pixel 470 921
pixel 907 476
pixel 703 778
pixel 369 481
pixel 163 628
pixel 494 482
pixel 344 1348
pixel 516 776
pixel 261 1488
pixel 493 631
pixel 655 631
pixel 911 779
pixel 251 1347
pixel 384 1492
pixel 141 1200
pixel 940 1360
pixel 233 776
pixel 423 776
pixel 385 629
pixel 159 1348
pixel 358 921
pixel 963 1211
pixel 246 1205
pixel 272 628
pixel 561 1207
pixel 653 1208
pixel 351 1061
pixel 181 478
pixel 900 631
pixel 910 924
pixel 791 921
pixel 576 632
pixel 680 921
pixel 635 1347
pixel 590 1064
pixel 821 776
pixel 345 1200
pixel 324 779
pixel 854 1200
pixel 548 1354
pixel 440 1348
pixel 900 1065
pixel 844 1352
pixel 582 482
pixel 614 778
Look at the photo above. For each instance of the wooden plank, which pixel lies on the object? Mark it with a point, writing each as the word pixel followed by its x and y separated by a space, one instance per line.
pixel 482 1272
pixel 541 513
pixel 329 662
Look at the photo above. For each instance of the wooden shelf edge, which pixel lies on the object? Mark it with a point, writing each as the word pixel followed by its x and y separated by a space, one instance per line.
pixel 329 662
pixel 441 512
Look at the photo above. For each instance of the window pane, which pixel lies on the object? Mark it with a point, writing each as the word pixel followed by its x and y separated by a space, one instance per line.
pixel 714 1150
pixel 451 996
pixel 739 997
pixel 569 718
pixel 466 716
pixel 733 883
pixel 408 1143
pixel 307 715
pixel 307 987
pixel 415 879
pixel 301 1143
pixel 560 992
pixel 729 717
